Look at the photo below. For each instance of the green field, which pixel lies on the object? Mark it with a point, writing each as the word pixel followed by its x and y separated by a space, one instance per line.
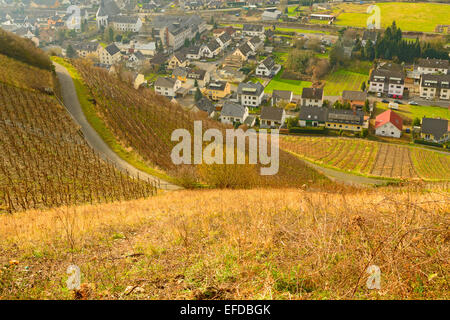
pixel 341 80
pixel 412 112
pixel 408 16
pixel 296 86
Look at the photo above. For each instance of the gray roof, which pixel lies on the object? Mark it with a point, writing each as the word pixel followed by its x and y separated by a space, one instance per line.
pixel 180 72
pixel 370 35
pixel 204 104
pixel 217 85
pixel 245 49
pixel 433 63
pixel 268 63
pixel 354 95
pixel 124 19
pixel 282 94
pixel 225 37
pixel 252 27
pixel 272 113
pixel 345 116
pixel 112 49
pixel 165 82
pixel 230 109
pixel 312 93
pixel 250 88
pixel 255 40
pixel 435 81
pixel 86 46
pixel 313 113
pixel 436 127
pixel 108 8
pixel 213 45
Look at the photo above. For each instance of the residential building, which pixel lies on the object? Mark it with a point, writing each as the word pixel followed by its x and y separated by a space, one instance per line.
pixel 206 105
pixel 432 66
pixel 388 79
pixel 271 15
pixel 311 116
pixel 312 97
pixel 243 51
pixel 435 130
pixel 136 60
pixel 356 99
pixel 193 53
pixel 189 76
pixel 109 55
pixel 435 86
pixel 272 117
pixel 177 60
pixel 250 94
pixel 106 11
pixel 255 43
pixel 84 49
pixel 267 68
pixel 342 119
pixel 211 49
pixel 216 90
pixel 369 35
pixel 232 113
pixel 253 30
pixel 224 40
pixel 281 96
pixel 388 124
pixel 167 86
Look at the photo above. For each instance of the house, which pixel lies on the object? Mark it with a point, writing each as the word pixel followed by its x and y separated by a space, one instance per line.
pixel 84 49
pixel 190 76
pixel 216 90
pixel 158 60
pixel 432 66
pixel 267 68
pixel 342 119
pixel 126 23
pixel 387 79
pixel 388 124
pixel 109 55
pixel 147 49
pixel 167 86
pixel 253 30
pixel 271 15
pixel 318 16
pixel 435 86
pixel 250 94
pixel 138 80
pixel 193 53
pixel 356 99
pixel 224 40
pixel 232 61
pixel 435 130
pixel 311 116
pixel 255 43
pixel 281 96
pixel 136 60
pixel 232 113
pixel 369 35
pixel 243 52
pixel 206 105
pixel 272 117
pixel 211 49
pixel 177 60
pixel 312 97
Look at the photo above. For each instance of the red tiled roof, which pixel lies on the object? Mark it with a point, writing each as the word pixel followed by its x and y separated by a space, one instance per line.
pixel 389 116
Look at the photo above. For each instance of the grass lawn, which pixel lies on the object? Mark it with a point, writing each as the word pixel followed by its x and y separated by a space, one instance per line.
pixel 412 112
pixel 296 86
pixel 342 80
pixel 408 16
pixel 280 57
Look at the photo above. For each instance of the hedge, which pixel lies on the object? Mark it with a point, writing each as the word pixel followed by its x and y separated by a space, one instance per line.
pixel 428 143
pixel 315 130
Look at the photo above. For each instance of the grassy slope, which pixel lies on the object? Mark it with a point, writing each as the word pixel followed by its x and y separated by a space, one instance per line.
pixel 253 244
pixel 412 112
pixel 100 127
pixel 277 83
pixel 342 80
pixel 408 16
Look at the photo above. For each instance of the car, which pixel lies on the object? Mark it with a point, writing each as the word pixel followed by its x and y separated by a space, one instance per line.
pixel 413 103
pixel 398 101
pixel 385 101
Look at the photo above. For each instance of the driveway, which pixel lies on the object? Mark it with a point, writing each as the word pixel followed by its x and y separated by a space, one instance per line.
pixel 73 106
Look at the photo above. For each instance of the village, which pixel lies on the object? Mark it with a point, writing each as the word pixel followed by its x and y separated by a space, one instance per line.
pixel 256 75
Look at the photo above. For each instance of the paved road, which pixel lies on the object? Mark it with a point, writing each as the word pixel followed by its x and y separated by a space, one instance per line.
pixel 73 106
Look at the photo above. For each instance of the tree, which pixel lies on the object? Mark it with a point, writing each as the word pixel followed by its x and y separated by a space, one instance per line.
pixel 110 34
pixel 366 106
pixel 416 122
pixel 363 86
pixel 70 52
pixel 186 42
pixel 196 83
pixel 198 95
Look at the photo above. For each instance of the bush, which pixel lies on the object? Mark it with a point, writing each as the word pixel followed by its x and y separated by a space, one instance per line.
pixel 314 130
pixel 428 143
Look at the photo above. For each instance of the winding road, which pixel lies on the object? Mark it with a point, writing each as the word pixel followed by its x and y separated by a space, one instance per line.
pixel 72 105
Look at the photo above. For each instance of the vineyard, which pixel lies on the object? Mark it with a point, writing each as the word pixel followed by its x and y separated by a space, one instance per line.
pixel 371 158
pixel 144 121
pixel 45 161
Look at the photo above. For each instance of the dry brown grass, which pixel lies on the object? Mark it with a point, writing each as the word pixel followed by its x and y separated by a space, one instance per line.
pixel 240 244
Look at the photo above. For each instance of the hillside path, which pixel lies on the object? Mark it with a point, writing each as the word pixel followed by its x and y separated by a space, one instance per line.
pixel 73 106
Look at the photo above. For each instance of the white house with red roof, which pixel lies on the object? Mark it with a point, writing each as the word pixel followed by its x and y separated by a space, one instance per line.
pixel 388 124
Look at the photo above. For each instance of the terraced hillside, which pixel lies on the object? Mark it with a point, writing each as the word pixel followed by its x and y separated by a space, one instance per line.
pixel 45 162
pixel 371 158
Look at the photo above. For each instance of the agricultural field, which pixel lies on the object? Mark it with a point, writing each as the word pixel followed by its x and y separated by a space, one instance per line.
pixel 371 158
pixel 409 113
pixel 408 16
pixel 342 80
pixel 277 83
